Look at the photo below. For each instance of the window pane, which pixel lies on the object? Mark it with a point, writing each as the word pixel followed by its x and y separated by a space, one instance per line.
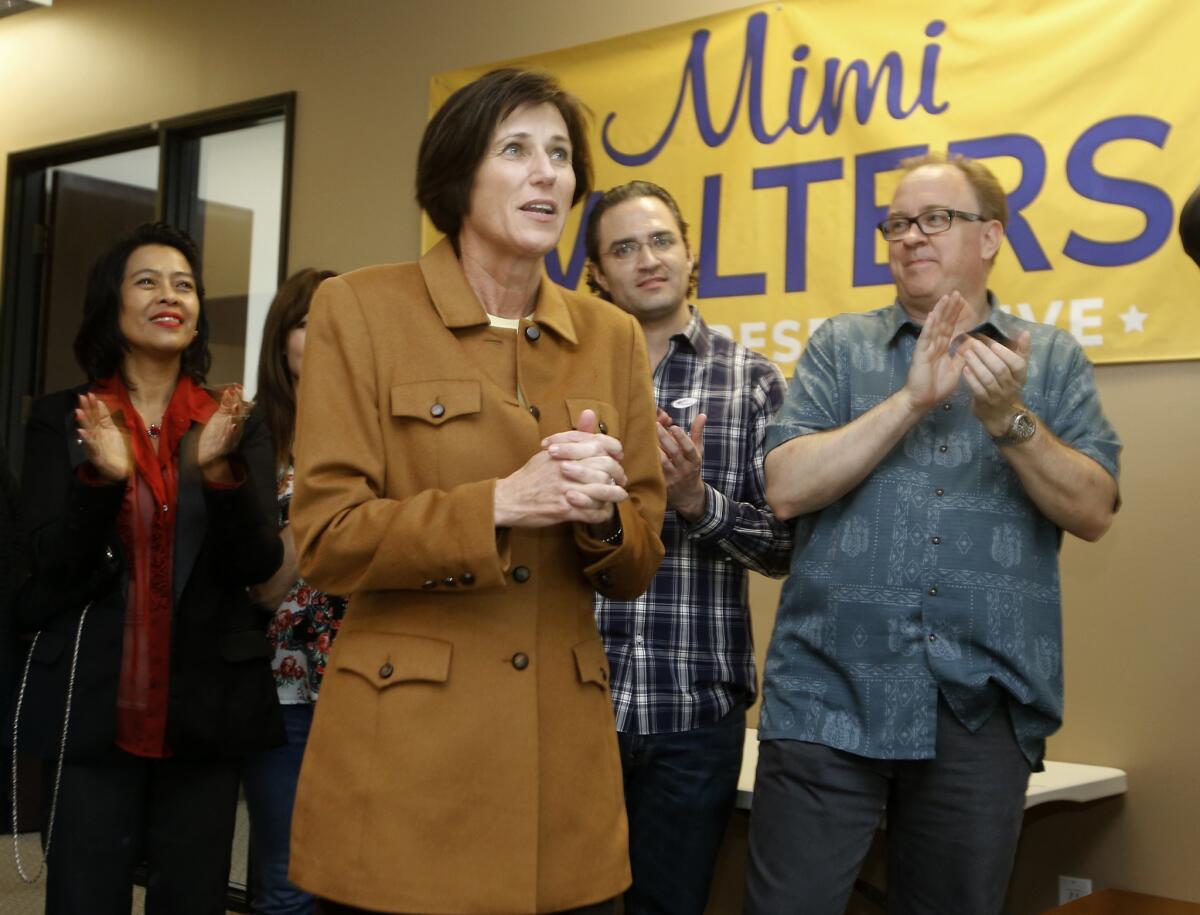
pixel 241 205
pixel 92 202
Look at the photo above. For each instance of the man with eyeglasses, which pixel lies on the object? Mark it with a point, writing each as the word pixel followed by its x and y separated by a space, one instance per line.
pixel 682 655
pixel 939 447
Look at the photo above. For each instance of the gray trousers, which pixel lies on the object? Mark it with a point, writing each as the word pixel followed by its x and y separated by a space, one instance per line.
pixel 952 823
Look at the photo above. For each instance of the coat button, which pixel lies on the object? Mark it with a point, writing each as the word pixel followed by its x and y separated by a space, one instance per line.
pixel 521 574
pixel 437 410
pixel 449 581
pixel 386 670
pixel 602 428
pixel 520 660
pixel 428 583
pixel 943 448
pixel 534 411
pixel 532 333
pixel 467 578
pixel 933 592
pixel 939 492
pixel 936 541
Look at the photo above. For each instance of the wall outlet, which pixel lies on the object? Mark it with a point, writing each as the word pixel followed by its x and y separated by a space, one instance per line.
pixel 1073 888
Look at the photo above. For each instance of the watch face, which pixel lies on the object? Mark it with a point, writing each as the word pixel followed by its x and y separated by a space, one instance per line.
pixel 1022 427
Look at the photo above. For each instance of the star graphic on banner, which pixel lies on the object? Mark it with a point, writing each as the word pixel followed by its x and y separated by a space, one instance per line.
pixel 1134 319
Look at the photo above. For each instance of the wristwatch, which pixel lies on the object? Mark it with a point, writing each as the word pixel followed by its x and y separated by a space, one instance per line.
pixel 1021 427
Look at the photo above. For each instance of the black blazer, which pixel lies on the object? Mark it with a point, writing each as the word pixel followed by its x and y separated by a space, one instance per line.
pixel 12 566
pixel 222 699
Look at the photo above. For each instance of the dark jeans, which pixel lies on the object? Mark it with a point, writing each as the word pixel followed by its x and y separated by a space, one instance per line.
pixel 177 815
pixel 679 793
pixel 270 787
pixel 952 823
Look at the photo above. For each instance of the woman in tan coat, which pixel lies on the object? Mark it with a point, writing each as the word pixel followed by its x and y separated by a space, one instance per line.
pixel 475 454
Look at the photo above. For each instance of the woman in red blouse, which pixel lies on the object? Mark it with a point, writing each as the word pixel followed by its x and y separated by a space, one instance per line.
pixel 150 503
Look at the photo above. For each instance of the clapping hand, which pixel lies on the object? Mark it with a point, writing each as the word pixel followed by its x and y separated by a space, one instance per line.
pixel 223 431
pixel 682 454
pixel 996 376
pixel 936 364
pixel 106 446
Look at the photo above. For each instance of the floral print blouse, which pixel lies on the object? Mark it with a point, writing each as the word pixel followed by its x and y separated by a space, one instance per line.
pixel 303 627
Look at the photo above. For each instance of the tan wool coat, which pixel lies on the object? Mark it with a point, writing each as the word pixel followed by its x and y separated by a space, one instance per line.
pixel 463 757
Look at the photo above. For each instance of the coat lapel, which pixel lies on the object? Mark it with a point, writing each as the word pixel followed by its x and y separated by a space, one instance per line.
pixel 74 443
pixel 191 519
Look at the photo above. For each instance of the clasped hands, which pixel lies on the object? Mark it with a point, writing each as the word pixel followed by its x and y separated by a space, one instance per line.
pixel 576 477
pixel 108 448
pixel 994 372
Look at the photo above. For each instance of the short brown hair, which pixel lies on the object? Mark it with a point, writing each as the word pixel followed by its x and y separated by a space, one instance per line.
pixel 993 202
pixel 459 133
pixel 631 190
pixel 276 393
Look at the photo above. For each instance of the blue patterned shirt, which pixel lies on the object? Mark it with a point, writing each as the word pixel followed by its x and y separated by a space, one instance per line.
pixel 682 654
pixel 937 572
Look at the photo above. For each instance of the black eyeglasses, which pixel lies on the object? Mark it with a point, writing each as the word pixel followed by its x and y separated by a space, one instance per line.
pixel 931 222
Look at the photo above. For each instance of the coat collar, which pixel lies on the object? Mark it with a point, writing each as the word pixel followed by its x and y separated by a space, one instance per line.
pixel 457 306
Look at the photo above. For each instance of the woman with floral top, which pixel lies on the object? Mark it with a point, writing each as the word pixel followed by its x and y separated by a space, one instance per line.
pixel 304 621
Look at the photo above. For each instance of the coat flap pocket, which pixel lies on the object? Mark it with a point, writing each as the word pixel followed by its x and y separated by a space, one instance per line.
pixel 435 402
pixel 592 662
pixel 245 645
pixel 49 647
pixel 387 658
pixel 607 419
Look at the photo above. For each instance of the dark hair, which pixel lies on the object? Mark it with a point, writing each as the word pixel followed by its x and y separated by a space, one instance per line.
pixel 1189 226
pixel 458 135
pixel 276 395
pixel 632 190
pixel 100 347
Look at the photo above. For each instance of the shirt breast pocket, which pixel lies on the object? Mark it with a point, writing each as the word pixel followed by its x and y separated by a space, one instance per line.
pixel 436 402
pixel 607 418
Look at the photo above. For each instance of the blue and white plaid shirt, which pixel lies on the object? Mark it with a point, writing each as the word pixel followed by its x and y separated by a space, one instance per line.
pixel 682 654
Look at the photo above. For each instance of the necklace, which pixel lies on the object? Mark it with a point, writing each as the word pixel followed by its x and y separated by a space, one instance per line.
pixel 153 430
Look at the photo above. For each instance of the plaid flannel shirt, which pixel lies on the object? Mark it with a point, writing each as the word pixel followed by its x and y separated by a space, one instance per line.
pixel 682 654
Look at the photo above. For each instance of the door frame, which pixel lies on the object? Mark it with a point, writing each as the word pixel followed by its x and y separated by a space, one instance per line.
pixel 26 234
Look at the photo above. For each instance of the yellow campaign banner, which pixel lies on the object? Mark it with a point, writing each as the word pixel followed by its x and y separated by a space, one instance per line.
pixel 779 129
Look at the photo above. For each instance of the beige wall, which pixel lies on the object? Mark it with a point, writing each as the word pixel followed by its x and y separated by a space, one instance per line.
pixel 360 70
